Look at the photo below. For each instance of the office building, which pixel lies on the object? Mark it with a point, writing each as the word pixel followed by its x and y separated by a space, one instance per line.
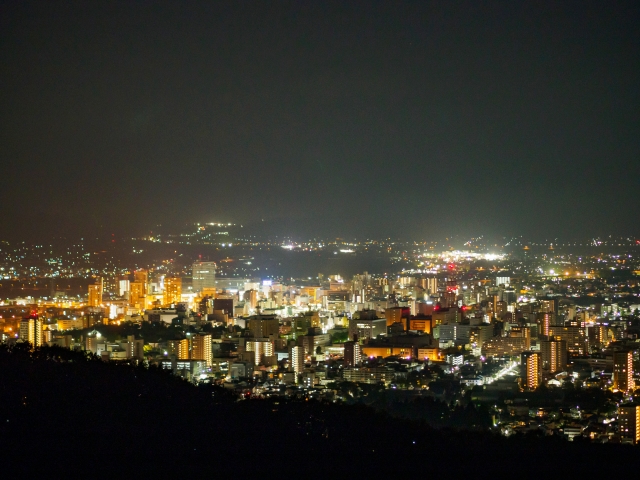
pixel 204 275
pixel 172 291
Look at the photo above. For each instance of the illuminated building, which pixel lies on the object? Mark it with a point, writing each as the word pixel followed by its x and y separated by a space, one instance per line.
pixel 296 359
pixel 92 343
pixel 531 370
pixel 480 334
pixel 406 351
pixel 455 332
pixel 201 348
pixel 123 287
pixel 505 346
pixel 179 348
pixel 32 331
pixel 544 321
pixel 311 292
pixel 451 294
pixel 430 353
pixel 204 275
pixel 142 277
pixel 95 294
pixel 444 316
pixel 521 332
pixel 262 326
pixel 554 355
pixel 352 353
pixel 251 298
pixel 629 422
pixel 313 339
pixel 367 328
pixel 369 374
pixel 431 285
pixel 314 318
pixel 494 305
pixel 135 348
pixel 393 315
pixel 623 371
pixel 575 336
pixel 172 291
pixel 509 296
pixel 548 306
pixel 263 351
pixel 70 323
pixel 420 323
pixel 136 295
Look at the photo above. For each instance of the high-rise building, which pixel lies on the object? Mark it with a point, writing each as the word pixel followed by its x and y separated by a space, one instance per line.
pixel 201 348
pixel 531 371
pixel 549 305
pixel 124 286
pixel 575 336
pixel 296 359
pixel 554 355
pixel 95 294
pixel 352 353
pixel 451 294
pixel 544 321
pixel 509 295
pixel 179 348
pixel 262 350
pixel 629 422
pixel 136 295
pixel 623 371
pixel 32 331
pixel 204 275
pixel 135 347
pixel 393 315
pixel 431 285
pixel 251 297
pixel 262 326
pixel 142 277
pixel 172 291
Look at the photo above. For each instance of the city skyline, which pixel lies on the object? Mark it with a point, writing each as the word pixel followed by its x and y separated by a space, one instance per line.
pixel 358 119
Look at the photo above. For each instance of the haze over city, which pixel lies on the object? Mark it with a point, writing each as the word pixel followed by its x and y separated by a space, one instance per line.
pixel 331 118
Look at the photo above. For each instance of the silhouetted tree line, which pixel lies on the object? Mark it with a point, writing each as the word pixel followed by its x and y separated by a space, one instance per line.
pixel 67 412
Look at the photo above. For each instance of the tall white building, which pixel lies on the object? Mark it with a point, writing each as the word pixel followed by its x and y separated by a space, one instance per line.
pixel 204 275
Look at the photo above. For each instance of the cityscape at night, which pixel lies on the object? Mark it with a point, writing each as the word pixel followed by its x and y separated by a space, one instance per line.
pixel 330 238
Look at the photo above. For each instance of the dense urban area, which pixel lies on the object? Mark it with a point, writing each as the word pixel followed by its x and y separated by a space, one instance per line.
pixel 514 337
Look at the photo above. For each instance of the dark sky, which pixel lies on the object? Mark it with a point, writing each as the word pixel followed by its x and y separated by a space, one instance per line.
pixel 349 118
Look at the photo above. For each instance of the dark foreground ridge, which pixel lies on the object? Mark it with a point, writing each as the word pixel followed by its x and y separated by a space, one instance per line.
pixel 69 412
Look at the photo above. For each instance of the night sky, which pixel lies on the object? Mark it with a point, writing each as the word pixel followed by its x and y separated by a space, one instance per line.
pixel 335 118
